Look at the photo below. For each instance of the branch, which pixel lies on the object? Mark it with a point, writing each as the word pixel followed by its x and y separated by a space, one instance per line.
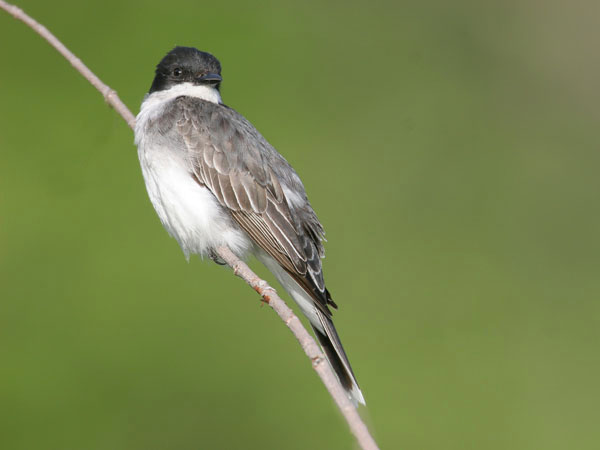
pixel 308 344
pixel 109 95
pixel 269 295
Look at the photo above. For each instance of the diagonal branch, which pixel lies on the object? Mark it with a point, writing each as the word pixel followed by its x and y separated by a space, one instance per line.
pixel 109 95
pixel 308 344
pixel 269 295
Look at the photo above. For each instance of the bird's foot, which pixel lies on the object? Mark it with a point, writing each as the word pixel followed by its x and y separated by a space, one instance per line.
pixel 212 255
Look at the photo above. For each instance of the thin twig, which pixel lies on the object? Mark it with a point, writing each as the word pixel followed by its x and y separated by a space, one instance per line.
pixel 268 294
pixel 310 347
pixel 109 95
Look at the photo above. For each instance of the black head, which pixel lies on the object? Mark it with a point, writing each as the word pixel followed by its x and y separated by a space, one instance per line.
pixel 186 65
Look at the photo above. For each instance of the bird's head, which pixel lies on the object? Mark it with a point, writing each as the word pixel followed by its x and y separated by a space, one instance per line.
pixel 187 65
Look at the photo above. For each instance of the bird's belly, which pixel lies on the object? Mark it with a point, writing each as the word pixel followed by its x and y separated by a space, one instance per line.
pixel 188 210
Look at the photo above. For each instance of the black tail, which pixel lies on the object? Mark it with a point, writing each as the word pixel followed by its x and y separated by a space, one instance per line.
pixel 331 344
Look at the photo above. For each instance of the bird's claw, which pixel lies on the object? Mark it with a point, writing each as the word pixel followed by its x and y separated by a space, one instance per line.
pixel 212 255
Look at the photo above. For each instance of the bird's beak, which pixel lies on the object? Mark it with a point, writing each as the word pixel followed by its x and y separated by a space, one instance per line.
pixel 211 78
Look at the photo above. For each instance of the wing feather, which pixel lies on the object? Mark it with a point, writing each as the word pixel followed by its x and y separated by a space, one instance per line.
pixel 244 173
pixel 229 196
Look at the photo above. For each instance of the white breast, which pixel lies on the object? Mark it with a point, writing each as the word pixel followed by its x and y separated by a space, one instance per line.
pixel 188 211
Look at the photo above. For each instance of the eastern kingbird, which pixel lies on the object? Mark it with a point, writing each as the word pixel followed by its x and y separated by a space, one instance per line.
pixel 215 181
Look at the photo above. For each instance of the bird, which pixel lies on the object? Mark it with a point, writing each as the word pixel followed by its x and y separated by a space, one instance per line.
pixel 214 181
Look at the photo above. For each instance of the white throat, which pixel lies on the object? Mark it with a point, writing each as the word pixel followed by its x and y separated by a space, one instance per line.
pixel 153 103
pixel 208 93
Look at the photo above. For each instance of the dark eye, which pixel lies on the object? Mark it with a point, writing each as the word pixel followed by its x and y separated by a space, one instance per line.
pixel 177 71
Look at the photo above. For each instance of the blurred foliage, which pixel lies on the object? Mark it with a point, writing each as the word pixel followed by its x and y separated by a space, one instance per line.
pixel 451 151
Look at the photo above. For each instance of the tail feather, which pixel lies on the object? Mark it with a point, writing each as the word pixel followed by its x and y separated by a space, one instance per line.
pixel 331 344
pixel 322 325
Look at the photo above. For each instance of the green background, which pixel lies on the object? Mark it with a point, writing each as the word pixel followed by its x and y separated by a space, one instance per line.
pixel 450 149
